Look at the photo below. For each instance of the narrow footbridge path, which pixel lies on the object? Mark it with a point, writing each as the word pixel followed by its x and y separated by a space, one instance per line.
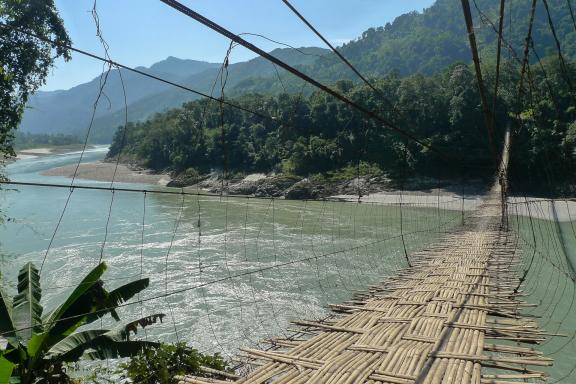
pixel 452 317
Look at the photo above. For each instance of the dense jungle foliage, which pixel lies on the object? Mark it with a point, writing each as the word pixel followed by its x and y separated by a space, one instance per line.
pixel 316 134
pixel 25 140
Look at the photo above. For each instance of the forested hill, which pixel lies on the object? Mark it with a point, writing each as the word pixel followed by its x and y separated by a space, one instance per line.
pixel 312 134
pixel 69 111
pixel 427 42
pixel 317 135
pixel 430 41
pixel 424 42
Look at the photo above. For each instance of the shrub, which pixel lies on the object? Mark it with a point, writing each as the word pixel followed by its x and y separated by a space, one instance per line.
pixel 160 365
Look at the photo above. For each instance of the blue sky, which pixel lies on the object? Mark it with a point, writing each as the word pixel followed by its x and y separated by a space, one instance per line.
pixel 142 32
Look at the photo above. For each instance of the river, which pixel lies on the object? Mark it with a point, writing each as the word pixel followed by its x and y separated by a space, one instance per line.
pixel 228 271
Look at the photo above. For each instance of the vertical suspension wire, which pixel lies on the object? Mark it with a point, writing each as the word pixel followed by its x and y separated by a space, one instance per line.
pixel 503 177
pixel 142 237
pixel 174 232
pixel 354 253
pixel 402 181
pixel 313 249
pixel 273 310
pixel 334 224
pixel 462 207
pixel 106 227
pixel 106 47
pixel 534 244
pixel 223 130
pixel 498 55
pixel 225 159
pixel 102 83
pixel 224 198
pixel 246 332
pixel 527 269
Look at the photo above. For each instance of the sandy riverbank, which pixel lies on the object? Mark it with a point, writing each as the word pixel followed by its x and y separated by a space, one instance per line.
pixel 102 171
pixel 430 198
pixel 32 153
pixel 37 152
pixel 564 210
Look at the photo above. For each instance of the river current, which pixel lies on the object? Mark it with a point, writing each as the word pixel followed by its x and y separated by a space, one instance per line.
pixel 227 271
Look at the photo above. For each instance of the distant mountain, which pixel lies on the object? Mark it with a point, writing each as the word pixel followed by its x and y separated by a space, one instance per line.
pixel 208 82
pixel 70 111
pixel 424 42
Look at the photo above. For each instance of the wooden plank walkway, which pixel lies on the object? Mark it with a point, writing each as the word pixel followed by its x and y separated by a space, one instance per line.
pixel 453 317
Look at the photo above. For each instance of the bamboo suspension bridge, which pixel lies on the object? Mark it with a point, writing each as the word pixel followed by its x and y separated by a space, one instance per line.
pixel 459 306
pixel 454 316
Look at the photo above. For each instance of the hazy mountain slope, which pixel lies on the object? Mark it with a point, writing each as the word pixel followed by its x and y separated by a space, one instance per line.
pixel 171 97
pixel 69 111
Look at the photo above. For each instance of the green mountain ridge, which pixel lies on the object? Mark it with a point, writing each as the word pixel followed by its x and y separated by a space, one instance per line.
pixel 206 81
pixel 430 41
pixel 69 111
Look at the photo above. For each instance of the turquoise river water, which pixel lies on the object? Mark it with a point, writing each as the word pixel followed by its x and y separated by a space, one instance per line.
pixel 227 271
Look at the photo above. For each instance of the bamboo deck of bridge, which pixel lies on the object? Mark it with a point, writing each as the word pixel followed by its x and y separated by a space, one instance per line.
pixel 453 317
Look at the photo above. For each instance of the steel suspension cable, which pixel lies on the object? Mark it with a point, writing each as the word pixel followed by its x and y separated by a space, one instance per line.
pixel 337 53
pixel 478 70
pixel 134 70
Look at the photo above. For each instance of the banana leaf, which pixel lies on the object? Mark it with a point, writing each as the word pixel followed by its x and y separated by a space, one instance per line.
pixel 71 314
pixel 118 349
pixel 123 331
pixel 104 344
pixel 73 347
pixel 6 368
pixel 118 296
pixel 26 310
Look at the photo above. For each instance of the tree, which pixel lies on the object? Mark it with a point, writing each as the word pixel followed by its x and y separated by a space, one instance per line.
pixel 35 346
pixel 25 60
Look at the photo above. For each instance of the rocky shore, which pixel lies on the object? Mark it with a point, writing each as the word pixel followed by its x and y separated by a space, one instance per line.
pixel 300 188
pixel 271 185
